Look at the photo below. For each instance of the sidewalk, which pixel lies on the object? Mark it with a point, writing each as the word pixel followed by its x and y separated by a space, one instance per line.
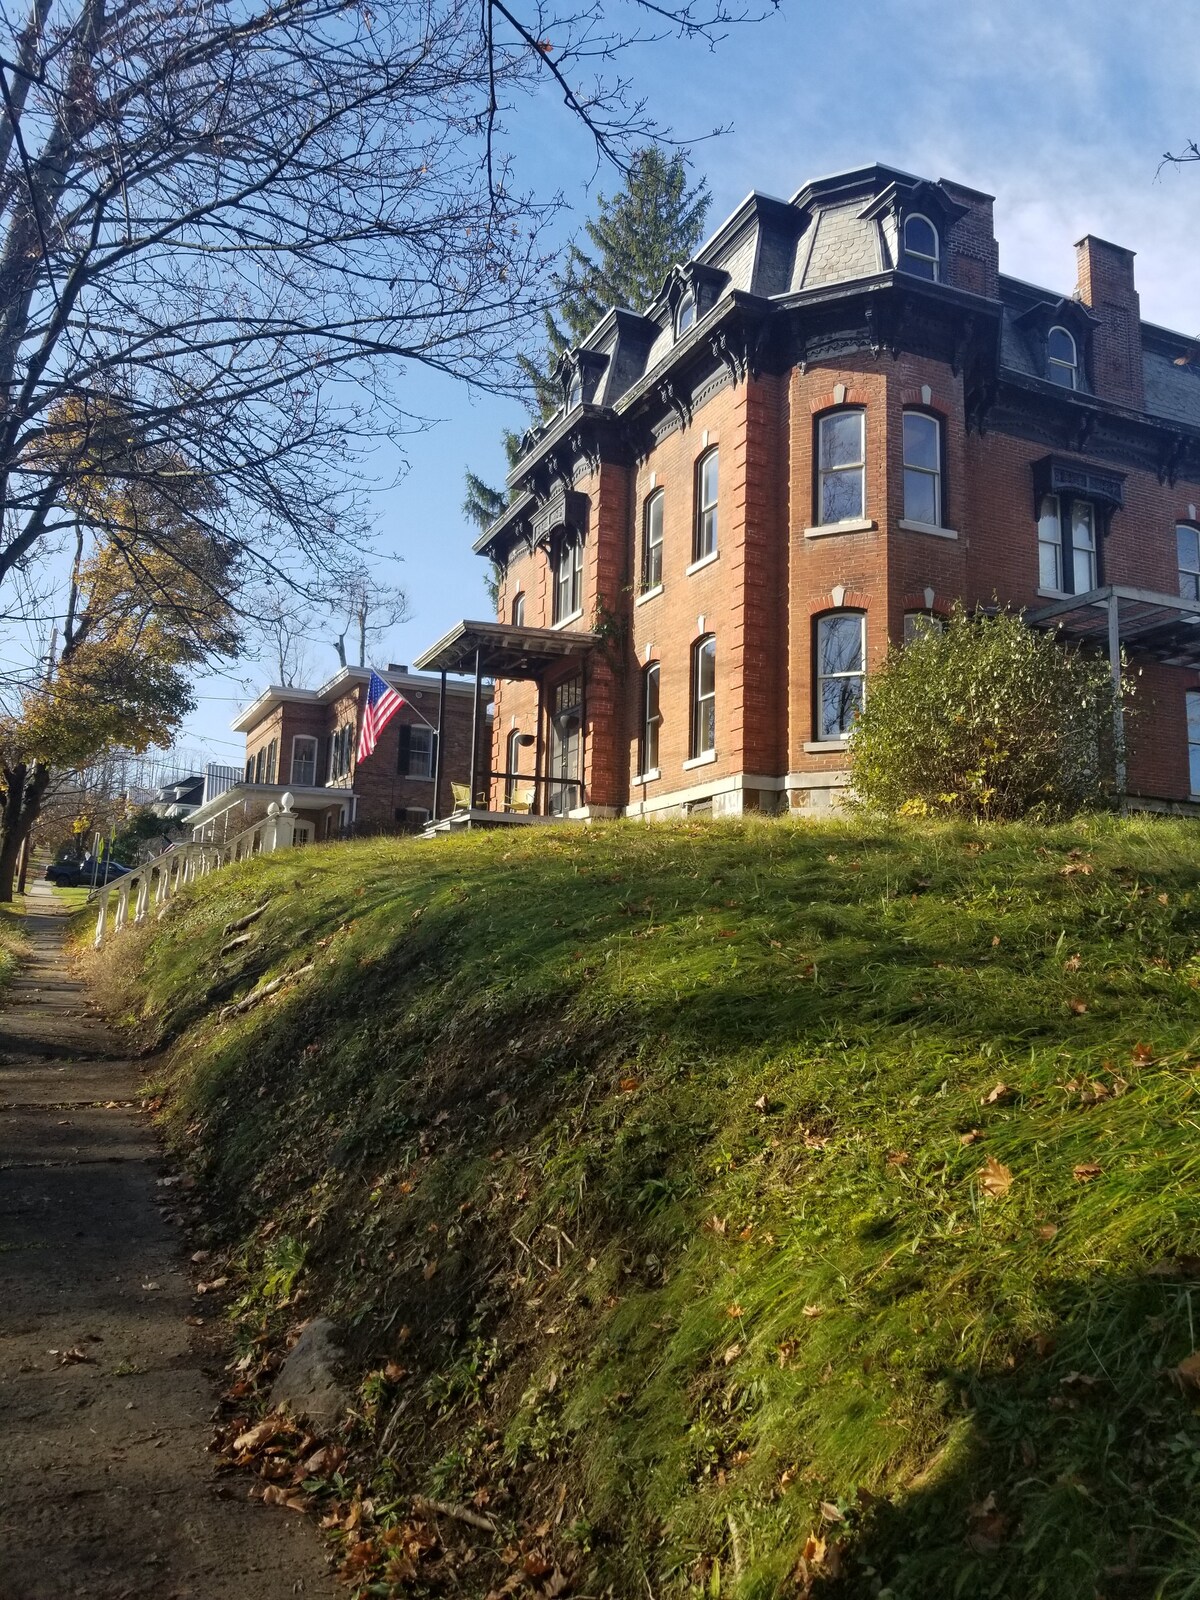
pixel 106 1489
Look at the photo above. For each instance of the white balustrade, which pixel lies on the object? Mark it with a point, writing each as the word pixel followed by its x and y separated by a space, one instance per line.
pixel 161 879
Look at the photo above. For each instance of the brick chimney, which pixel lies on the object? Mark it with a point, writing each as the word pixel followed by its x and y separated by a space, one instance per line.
pixel 1106 288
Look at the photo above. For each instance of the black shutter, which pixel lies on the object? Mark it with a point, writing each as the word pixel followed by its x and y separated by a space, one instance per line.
pixel 404 757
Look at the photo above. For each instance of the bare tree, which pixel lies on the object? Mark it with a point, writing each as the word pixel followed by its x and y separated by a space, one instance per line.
pixel 366 609
pixel 233 218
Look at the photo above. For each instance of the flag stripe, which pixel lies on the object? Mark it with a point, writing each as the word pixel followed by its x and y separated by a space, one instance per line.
pixel 382 704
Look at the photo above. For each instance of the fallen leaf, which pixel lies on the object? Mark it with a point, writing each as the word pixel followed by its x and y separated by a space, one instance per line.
pixel 74 1357
pixel 1086 1171
pixel 972 1136
pixel 1187 1373
pixel 207 1288
pixel 762 1103
pixel 1047 1231
pixel 830 1512
pixel 1143 1054
pixel 628 1085
pixel 429 1269
pixel 812 1311
pixel 1072 963
pixel 998 1095
pixel 261 1433
pixel 733 1310
pixel 1164 899
pixel 194 1322
pixel 732 1353
pixel 715 1224
pixel 898 1158
pixel 1078 1006
pixel 986 1526
pixel 1073 867
pixel 995 1178
pixel 393 1372
pixel 995 940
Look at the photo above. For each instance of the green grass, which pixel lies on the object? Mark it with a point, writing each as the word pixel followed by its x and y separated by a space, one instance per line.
pixel 71 899
pixel 13 944
pixel 650 1154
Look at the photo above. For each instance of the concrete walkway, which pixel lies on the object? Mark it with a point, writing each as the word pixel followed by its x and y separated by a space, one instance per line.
pixel 106 1490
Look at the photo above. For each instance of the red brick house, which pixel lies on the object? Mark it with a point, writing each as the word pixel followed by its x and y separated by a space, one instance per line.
pixel 305 741
pixel 835 421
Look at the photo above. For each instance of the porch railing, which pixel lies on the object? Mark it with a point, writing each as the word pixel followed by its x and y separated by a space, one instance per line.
pixel 158 881
pixel 518 785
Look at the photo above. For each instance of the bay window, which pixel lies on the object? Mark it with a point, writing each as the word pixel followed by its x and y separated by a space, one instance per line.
pixel 841 466
pixel 922 468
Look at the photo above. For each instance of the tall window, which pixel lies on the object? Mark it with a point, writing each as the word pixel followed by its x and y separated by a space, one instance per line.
pixel 652 542
pixel 339 752
pixel 651 719
pixel 704 539
pixel 921 254
pixel 418 746
pixel 1193 732
pixel 1067 545
pixel 922 468
pixel 704 696
pixel 1187 542
pixel 273 757
pixel 260 765
pixel 512 765
pixel 841 458
pixel 249 769
pixel 304 760
pixel 575 392
pixel 518 611
pixel 1062 358
pixel 568 577
pixel 919 623
pixel 686 315
pixel 841 671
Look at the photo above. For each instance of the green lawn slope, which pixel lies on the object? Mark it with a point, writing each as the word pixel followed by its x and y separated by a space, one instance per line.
pixel 730 1210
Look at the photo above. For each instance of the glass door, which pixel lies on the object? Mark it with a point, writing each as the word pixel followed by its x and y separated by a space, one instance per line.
pixel 566 738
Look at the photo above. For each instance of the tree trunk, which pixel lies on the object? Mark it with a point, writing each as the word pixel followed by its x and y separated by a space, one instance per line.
pixel 24 789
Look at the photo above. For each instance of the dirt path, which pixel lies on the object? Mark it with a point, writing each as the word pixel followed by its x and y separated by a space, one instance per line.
pixel 106 1490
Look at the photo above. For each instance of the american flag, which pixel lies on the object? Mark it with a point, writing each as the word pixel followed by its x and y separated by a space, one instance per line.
pixel 383 702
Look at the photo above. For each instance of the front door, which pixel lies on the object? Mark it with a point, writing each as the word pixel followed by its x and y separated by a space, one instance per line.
pixel 566 736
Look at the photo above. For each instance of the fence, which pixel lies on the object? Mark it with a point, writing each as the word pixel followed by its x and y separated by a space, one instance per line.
pixel 158 881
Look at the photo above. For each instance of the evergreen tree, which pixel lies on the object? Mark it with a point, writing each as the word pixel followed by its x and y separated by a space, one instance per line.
pixel 637 236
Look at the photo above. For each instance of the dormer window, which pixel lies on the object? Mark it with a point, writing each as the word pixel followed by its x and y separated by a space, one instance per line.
pixel 921 253
pixel 1062 358
pixel 685 317
pixel 575 392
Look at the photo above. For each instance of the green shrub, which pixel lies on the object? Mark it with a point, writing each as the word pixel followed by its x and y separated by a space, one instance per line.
pixel 986 717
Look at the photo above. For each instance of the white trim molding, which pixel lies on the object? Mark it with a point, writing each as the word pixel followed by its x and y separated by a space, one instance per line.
pixel 911 526
pixel 851 525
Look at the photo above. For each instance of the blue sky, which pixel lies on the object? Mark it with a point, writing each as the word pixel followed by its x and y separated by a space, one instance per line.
pixel 1060 108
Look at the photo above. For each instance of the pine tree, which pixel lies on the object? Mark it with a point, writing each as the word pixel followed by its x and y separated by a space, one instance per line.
pixel 637 236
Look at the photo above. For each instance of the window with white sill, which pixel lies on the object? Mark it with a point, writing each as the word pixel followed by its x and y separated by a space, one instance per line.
pixel 704 536
pixel 304 761
pixel 1187 546
pixel 651 720
pixel 922 468
pixel 841 466
pixel 704 697
pixel 1062 358
pixel 922 249
pixel 1067 561
pixel 568 576
pixel 652 542
pixel 1193 735
pixel 841 672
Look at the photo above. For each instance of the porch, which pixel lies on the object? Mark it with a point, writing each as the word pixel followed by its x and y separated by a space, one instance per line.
pixel 328 812
pixel 550 786
pixel 1115 616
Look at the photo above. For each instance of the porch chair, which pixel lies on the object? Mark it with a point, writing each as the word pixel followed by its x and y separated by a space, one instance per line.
pixel 521 800
pixel 461 795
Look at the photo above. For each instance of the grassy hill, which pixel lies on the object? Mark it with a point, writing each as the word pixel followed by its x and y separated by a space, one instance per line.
pixel 725 1210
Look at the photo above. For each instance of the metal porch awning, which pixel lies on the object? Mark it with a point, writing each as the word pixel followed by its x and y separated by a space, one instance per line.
pixel 500 651
pixel 1164 626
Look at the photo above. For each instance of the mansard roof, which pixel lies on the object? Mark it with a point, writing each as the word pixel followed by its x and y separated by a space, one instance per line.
pixel 786 263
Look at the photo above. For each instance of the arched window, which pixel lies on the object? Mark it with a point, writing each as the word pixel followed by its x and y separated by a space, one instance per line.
pixel 704 697
pixel 568 577
pixel 652 542
pixel 575 392
pixel 919 623
pixel 841 466
pixel 704 533
pixel 841 650
pixel 922 468
pixel 686 315
pixel 1187 544
pixel 922 251
pixel 1062 358
pixel 518 610
pixel 651 720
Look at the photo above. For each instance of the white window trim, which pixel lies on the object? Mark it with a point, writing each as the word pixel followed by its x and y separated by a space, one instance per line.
pixel 566 621
pixel 815 747
pixel 704 561
pixel 648 594
pixel 910 526
pixel 316 744
pixel 836 472
pixel 851 525
pixel 652 776
pixel 700 760
pixel 1067 366
pixel 935 260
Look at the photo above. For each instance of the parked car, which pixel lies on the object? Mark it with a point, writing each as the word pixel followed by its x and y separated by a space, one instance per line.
pixel 76 874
